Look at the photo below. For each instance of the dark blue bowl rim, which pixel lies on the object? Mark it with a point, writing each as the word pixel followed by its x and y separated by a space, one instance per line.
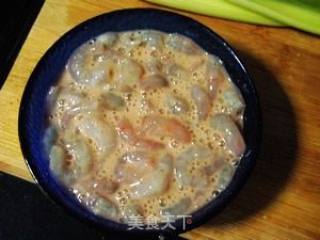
pixel 133 19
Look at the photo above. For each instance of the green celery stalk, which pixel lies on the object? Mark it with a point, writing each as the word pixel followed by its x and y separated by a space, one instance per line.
pixel 219 8
pixel 301 14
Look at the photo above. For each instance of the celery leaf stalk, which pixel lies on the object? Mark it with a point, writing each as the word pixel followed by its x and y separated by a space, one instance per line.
pixel 219 8
pixel 301 14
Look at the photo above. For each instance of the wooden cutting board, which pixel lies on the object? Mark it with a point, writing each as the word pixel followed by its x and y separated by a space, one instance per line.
pixel 282 198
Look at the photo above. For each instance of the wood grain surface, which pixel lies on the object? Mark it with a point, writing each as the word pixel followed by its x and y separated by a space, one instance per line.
pixel 282 198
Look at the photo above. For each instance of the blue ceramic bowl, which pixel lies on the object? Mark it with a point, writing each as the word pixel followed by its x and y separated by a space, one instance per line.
pixel 32 117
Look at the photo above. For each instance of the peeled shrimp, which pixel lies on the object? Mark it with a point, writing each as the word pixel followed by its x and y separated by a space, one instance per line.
pixel 100 187
pixel 130 40
pixel 152 67
pixel 97 196
pixel 146 107
pixel 99 132
pixel 94 63
pixel 70 163
pixel 149 39
pixel 201 100
pixel 108 39
pixel 129 134
pixel 129 211
pixel 111 101
pixel 182 44
pixel 229 132
pixel 153 82
pixel 69 103
pixel 105 187
pixel 155 182
pixel 106 208
pixel 79 154
pixel 233 101
pixel 153 39
pixel 207 163
pixel 88 63
pixel 132 166
pixel 67 100
pixel 57 156
pixel 166 127
pixel 176 71
pixel 183 176
pixel 52 97
pixel 50 136
pixel 231 96
pixel 225 176
pixel 214 75
pixel 126 74
pixel 177 105
pixel 179 208
pixel 84 107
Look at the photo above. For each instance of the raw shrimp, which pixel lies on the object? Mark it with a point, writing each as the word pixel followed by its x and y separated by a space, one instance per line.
pixel 150 40
pixel 176 71
pixel 52 97
pixel 201 100
pixel 177 105
pixel 96 194
pixel 66 99
pixel 153 39
pixel 101 206
pixel 166 127
pixel 88 64
pixel 214 75
pixel 108 39
pixel 57 156
pixel 125 74
pixel 153 67
pixel 129 134
pixel 79 154
pixel 225 176
pixel 132 166
pixel 182 44
pixel 179 208
pixel 217 80
pixel 112 101
pixel 99 132
pixel 105 187
pixel 229 132
pixel 153 82
pixel 146 107
pixel 155 182
pixel 94 63
pixel 106 208
pixel 71 162
pixel 69 103
pixel 90 184
pixel 233 101
pixel 85 107
pixel 183 162
pixel 206 164
pixel 129 211
pixel 50 137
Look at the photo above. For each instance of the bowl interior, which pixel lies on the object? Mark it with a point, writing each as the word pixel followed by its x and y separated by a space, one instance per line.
pixel 32 117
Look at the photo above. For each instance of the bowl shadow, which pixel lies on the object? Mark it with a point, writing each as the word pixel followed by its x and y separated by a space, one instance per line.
pixel 26 213
pixel 278 150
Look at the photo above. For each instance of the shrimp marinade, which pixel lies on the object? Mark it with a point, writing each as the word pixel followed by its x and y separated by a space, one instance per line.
pixel 144 123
